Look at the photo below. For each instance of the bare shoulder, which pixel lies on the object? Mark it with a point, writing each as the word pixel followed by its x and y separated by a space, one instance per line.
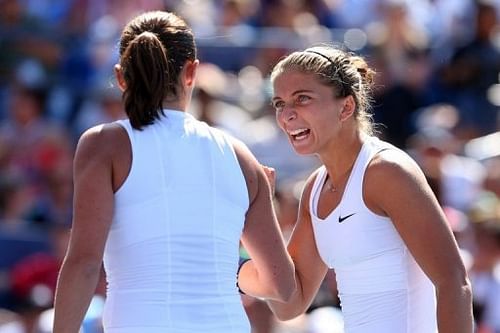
pixel 246 158
pixel 392 179
pixel 392 166
pixel 104 136
pixel 102 142
pixel 249 166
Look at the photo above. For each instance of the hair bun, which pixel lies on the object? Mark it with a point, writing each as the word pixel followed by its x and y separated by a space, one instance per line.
pixel 367 74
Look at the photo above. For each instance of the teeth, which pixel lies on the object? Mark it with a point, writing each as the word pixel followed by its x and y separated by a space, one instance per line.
pixel 297 131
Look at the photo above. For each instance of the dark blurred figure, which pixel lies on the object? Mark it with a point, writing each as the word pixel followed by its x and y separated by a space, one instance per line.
pixel 285 14
pixel 472 70
pixel 33 281
pixel 399 51
pixel 456 179
pixel 34 149
pixel 213 100
pixel 24 37
pixel 485 270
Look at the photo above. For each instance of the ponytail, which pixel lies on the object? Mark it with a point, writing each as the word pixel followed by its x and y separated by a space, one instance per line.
pixel 154 48
pixel 146 72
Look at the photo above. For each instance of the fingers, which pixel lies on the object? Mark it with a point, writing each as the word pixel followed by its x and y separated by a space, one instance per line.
pixel 271 177
pixel 270 173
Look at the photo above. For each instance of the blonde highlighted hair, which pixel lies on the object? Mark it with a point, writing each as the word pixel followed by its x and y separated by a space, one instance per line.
pixel 347 73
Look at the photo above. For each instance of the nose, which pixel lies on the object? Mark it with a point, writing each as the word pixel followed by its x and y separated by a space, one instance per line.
pixel 289 114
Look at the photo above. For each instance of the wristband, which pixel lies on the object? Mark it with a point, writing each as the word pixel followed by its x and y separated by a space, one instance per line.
pixel 242 262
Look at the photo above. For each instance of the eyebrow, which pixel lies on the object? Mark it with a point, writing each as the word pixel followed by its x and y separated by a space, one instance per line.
pixel 295 93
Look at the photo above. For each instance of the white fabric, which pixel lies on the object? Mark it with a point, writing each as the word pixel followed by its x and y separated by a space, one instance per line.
pixel 172 252
pixel 381 287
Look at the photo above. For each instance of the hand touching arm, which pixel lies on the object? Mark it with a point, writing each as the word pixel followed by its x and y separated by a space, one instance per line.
pixel 270 272
pixel 310 270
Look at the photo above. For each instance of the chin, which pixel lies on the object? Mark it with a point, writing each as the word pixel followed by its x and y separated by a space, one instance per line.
pixel 303 151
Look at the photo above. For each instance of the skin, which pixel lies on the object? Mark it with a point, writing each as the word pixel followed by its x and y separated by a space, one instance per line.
pixel 301 101
pixel 101 165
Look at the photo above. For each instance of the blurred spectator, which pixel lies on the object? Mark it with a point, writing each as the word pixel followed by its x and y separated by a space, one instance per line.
pixel 455 179
pixel 399 52
pixel 211 101
pixel 103 105
pixel 353 14
pixel 492 180
pixel 31 147
pixel 287 14
pixel 24 37
pixel 17 199
pixel 33 282
pixel 21 242
pixel 446 22
pixel 485 270
pixel 484 148
pixel 472 70
pixel 282 13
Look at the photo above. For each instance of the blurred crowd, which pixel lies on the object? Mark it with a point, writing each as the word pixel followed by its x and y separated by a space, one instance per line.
pixel 437 96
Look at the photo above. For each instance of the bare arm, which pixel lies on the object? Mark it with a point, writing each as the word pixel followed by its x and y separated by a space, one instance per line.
pixel 92 214
pixel 310 270
pixel 416 214
pixel 270 272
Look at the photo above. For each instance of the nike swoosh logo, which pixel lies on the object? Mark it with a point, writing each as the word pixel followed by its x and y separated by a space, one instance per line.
pixel 342 219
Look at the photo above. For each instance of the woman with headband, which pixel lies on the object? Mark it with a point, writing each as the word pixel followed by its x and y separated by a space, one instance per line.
pixel 368 212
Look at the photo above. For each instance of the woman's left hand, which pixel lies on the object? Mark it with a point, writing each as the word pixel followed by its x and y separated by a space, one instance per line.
pixel 271 177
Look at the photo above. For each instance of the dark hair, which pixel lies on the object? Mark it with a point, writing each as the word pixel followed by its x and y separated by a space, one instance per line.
pixel 154 47
pixel 347 73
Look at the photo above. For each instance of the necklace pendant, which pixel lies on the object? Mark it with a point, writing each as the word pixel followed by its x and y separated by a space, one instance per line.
pixel 331 188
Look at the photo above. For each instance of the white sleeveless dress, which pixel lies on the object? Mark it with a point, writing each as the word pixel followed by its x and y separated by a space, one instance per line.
pixel 381 287
pixel 172 252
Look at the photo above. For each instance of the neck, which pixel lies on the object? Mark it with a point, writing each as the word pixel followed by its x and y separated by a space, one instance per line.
pixel 340 158
pixel 180 103
pixel 177 105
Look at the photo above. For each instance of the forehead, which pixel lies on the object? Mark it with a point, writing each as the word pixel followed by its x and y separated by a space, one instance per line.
pixel 289 81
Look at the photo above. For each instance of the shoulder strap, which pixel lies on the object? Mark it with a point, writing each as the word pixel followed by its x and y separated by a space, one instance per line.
pixel 316 190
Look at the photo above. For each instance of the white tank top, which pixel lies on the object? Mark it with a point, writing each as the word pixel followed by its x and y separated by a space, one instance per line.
pixel 381 287
pixel 172 252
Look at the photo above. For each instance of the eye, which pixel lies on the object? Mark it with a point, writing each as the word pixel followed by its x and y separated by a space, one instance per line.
pixel 303 99
pixel 278 105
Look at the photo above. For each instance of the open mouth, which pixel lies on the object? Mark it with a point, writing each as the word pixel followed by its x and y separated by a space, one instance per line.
pixel 299 134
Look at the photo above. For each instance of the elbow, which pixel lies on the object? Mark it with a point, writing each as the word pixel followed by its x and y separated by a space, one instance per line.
pixel 87 267
pixel 286 288
pixel 464 281
pixel 285 293
pixel 286 312
pixel 458 282
pixel 467 288
pixel 286 315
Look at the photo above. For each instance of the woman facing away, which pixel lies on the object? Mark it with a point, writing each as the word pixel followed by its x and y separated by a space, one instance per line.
pixel 164 199
pixel 368 212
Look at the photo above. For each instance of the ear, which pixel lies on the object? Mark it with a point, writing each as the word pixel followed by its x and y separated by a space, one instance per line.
pixel 190 70
pixel 119 77
pixel 348 108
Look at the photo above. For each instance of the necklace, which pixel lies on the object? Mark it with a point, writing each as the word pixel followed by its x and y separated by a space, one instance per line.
pixel 329 183
pixel 330 187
